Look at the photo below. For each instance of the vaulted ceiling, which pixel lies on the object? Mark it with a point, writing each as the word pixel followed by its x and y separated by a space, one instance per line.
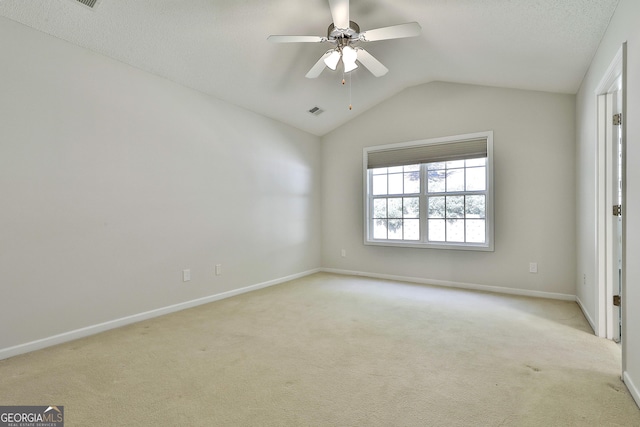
pixel 219 47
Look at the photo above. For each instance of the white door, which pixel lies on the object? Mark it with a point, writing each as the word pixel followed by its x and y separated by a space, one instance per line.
pixel 610 107
pixel 616 191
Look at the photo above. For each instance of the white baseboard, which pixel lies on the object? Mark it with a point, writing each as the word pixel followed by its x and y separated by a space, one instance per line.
pixel 116 323
pixel 448 284
pixel 635 392
pixel 587 315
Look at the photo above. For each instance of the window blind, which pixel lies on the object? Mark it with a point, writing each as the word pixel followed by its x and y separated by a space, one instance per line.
pixel 428 153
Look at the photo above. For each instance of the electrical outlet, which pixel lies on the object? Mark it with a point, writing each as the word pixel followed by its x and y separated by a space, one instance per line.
pixel 218 269
pixel 533 267
pixel 186 275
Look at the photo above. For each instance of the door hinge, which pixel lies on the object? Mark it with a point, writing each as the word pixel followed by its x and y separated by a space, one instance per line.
pixel 617 119
pixel 617 210
pixel 616 300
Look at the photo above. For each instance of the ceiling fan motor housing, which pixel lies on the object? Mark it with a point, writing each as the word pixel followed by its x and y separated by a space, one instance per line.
pixel 343 35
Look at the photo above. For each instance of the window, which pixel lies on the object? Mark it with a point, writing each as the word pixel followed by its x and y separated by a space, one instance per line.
pixel 434 193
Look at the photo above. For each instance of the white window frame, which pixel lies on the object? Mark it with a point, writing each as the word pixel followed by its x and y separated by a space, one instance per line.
pixel 488 245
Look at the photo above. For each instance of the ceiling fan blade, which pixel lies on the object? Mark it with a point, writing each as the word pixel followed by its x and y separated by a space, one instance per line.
pixel 410 29
pixel 319 66
pixel 371 63
pixel 340 13
pixel 296 39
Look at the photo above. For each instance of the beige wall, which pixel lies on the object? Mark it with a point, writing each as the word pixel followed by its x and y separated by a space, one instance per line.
pixel 114 180
pixel 623 27
pixel 534 145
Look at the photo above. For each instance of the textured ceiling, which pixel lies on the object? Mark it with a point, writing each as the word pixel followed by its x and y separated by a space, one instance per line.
pixel 220 47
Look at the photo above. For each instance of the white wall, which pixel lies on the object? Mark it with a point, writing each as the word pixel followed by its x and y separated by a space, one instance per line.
pixel 534 147
pixel 113 180
pixel 623 27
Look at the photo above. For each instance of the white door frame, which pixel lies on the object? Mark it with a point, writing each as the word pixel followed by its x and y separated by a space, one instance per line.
pixel 614 80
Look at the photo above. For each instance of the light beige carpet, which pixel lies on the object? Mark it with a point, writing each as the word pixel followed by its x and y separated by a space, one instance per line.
pixel 329 350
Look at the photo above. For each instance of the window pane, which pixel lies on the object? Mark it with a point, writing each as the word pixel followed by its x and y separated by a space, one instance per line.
pixel 455 207
pixel 395 229
pixel 436 207
pixel 395 183
pixel 379 184
pixel 455 230
pixel 476 179
pixel 378 171
pixel 475 207
pixel 475 230
pixel 436 230
pixel 380 229
pixel 379 208
pixel 395 169
pixel 411 182
pixel 455 180
pixel 436 165
pixel 476 162
pixel 411 207
pixel 436 181
pixel 395 208
pixel 411 229
pixel 455 164
pixel 410 168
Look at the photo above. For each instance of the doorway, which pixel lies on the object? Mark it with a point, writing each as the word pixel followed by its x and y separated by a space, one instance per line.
pixel 611 195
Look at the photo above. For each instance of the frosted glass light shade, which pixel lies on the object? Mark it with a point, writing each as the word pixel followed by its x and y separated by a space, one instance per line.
pixel 349 56
pixel 331 61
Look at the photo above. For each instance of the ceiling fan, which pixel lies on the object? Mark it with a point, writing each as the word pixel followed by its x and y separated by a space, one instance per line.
pixel 345 35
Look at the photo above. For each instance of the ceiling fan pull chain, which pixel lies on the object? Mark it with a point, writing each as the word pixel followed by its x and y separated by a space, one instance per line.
pixel 350 106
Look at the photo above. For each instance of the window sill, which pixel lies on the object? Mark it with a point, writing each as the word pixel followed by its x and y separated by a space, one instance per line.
pixel 441 246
